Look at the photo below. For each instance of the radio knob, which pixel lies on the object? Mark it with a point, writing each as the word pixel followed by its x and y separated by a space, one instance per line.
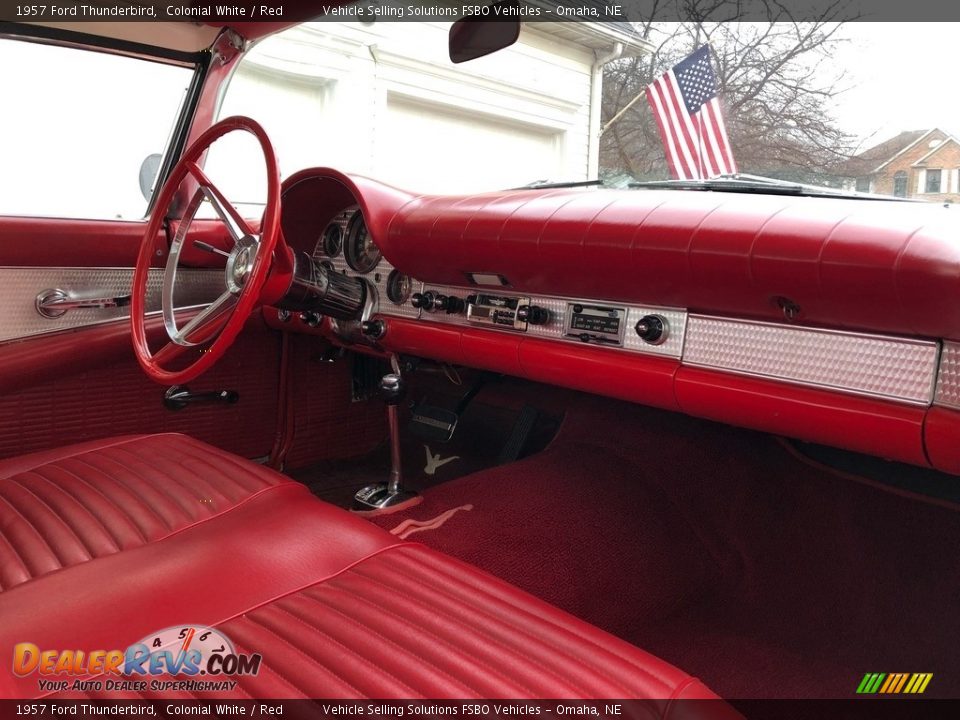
pixel 652 329
pixel 533 314
pixel 455 304
pixel 422 300
pixel 440 302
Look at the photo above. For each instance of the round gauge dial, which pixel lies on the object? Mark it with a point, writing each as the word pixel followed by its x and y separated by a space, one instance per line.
pixel 399 287
pixel 361 251
pixel 332 240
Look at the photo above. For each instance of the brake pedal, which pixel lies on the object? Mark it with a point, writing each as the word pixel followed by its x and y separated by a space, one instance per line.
pixel 433 424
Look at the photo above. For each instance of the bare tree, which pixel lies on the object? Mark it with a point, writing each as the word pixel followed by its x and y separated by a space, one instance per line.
pixel 774 78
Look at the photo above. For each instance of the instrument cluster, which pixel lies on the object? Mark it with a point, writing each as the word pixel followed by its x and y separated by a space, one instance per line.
pixel 346 246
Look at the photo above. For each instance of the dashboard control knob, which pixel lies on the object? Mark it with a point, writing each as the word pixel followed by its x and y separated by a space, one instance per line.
pixel 374 329
pixel 311 318
pixel 440 302
pixel 652 329
pixel 283 315
pixel 533 314
pixel 423 301
pixel 455 304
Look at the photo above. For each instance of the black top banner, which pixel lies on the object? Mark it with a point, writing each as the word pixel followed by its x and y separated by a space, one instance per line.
pixel 609 11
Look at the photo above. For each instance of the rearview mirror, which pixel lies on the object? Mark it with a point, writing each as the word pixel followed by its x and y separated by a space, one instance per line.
pixel 478 35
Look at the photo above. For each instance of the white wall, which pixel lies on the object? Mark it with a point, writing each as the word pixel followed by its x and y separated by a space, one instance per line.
pixel 384 100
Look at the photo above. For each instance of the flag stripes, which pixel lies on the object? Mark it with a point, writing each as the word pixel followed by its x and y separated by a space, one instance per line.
pixel 687 111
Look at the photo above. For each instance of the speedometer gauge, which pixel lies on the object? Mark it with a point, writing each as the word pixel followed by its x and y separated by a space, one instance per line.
pixel 361 251
pixel 332 240
pixel 398 287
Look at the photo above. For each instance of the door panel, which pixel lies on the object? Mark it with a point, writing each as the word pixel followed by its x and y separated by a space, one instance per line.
pixel 106 393
pixel 75 377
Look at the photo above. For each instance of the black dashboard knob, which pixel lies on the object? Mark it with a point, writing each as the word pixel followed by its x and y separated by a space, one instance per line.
pixel 423 301
pixel 440 302
pixel 652 329
pixel 374 329
pixel 455 304
pixel 311 318
pixel 533 314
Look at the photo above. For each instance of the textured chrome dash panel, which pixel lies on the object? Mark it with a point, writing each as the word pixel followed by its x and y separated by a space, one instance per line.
pixel 948 378
pixel 378 278
pixel 886 367
pixel 671 347
pixel 19 287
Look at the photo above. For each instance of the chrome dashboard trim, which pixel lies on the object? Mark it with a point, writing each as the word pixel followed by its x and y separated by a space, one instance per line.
pixel 19 287
pixel 671 347
pixel 948 376
pixel 891 368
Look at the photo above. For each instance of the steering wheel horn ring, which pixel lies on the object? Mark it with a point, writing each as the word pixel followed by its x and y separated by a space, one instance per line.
pixel 248 263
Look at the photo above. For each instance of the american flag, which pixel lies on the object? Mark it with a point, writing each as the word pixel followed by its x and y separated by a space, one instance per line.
pixel 687 110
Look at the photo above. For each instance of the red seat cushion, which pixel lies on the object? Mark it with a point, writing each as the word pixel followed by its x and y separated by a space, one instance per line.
pixel 63 507
pixel 336 606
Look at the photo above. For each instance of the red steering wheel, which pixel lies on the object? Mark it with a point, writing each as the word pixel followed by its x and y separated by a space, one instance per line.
pixel 248 262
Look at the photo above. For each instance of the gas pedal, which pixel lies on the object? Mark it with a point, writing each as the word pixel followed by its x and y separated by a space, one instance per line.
pixel 519 436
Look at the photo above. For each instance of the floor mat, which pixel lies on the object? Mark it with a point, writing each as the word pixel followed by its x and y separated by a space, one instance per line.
pixel 481 434
pixel 716 549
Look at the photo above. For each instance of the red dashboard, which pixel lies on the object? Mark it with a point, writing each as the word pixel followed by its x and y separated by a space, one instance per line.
pixel 825 319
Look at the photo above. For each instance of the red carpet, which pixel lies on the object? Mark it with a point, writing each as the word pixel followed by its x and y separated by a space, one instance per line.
pixel 718 550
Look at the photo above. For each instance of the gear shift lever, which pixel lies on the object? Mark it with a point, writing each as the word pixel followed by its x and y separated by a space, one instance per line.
pixel 380 496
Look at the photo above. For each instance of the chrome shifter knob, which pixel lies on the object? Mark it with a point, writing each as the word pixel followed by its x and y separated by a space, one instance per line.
pixel 392 389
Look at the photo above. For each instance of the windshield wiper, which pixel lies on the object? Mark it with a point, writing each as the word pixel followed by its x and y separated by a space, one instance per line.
pixel 756 184
pixel 541 184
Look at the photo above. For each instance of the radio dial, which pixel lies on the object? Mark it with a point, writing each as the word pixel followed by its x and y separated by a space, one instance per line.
pixel 533 314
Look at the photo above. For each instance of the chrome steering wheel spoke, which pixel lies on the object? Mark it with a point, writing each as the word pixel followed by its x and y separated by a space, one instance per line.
pixel 240 262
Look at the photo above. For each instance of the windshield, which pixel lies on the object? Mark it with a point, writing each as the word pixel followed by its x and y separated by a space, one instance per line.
pixel 854 107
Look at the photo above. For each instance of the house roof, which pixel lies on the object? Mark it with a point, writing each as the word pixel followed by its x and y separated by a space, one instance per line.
pixel 937 148
pixel 872 159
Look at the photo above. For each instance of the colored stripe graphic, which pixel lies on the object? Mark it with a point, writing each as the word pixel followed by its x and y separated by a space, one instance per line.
pixel 894 683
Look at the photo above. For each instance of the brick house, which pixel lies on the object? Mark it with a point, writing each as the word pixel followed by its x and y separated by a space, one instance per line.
pixel 921 164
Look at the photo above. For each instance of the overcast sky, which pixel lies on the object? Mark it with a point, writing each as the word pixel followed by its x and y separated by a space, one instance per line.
pixel 901 76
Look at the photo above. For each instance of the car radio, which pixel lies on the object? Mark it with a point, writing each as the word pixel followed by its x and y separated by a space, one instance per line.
pixel 498 310
pixel 595 323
